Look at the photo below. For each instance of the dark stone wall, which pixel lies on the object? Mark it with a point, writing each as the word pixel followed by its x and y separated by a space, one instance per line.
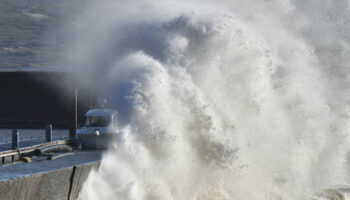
pixel 32 99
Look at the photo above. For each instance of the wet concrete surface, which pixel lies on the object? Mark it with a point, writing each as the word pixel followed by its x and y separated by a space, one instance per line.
pixel 59 184
pixel 42 165
pixel 45 179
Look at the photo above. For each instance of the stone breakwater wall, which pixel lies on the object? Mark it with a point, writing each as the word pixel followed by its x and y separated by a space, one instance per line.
pixel 61 184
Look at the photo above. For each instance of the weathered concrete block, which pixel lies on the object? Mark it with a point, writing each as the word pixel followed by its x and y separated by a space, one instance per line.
pixel 80 176
pixel 52 185
pixel 48 185
pixel 62 184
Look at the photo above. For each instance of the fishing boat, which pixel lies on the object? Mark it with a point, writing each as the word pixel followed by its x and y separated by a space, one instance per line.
pixel 101 128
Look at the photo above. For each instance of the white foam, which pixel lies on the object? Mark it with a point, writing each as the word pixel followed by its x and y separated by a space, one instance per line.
pixel 229 100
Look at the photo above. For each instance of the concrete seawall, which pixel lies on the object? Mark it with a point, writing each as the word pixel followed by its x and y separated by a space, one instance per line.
pixel 60 184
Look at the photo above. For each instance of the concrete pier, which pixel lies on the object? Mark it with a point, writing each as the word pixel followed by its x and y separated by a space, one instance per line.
pixel 36 178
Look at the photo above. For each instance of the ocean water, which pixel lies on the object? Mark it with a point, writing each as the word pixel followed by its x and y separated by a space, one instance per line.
pixel 218 100
pixel 24 30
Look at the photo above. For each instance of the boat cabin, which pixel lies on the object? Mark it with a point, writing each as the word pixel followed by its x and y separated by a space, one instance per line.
pixel 101 118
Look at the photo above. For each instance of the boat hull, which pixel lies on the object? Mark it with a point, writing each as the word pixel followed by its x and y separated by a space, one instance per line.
pixel 101 141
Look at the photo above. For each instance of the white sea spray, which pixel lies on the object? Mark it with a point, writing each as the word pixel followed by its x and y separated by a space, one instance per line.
pixel 222 100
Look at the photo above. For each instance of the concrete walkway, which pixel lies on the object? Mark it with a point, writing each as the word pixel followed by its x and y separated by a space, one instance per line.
pixel 42 165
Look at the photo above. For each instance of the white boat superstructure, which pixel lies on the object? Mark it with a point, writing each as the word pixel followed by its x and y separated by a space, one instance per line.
pixel 100 130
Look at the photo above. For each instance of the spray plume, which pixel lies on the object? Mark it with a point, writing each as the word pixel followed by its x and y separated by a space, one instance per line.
pixel 221 100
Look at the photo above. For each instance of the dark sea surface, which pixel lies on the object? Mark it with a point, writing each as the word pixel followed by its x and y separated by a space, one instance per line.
pixel 32 34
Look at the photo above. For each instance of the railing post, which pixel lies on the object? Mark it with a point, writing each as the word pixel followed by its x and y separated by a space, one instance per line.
pixel 15 139
pixel 48 133
pixel 74 113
